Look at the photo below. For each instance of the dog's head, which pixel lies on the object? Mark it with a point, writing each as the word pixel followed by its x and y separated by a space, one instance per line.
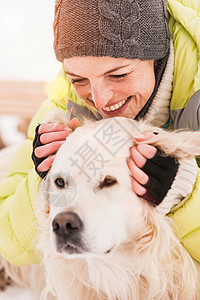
pixel 93 208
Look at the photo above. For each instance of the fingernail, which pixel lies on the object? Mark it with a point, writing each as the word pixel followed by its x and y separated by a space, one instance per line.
pixel 139 136
pixel 68 129
pixel 39 130
pixel 128 159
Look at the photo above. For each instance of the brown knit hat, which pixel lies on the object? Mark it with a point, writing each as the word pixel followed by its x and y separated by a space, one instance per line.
pixel 118 28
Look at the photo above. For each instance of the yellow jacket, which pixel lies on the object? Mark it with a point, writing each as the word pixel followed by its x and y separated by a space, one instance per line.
pixel 18 229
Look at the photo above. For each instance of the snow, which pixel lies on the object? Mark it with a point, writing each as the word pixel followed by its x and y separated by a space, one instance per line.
pixel 8 130
pixel 26 33
pixel 16 293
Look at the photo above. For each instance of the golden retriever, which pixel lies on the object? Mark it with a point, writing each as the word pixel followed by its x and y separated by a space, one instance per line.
pixel 99 240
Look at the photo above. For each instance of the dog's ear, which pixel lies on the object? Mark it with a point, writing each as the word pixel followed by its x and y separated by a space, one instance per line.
pixel 44 192
pixel 45 188
pixel 180 144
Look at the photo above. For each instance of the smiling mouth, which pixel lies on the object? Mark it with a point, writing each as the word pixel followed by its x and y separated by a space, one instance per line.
pixel 116 106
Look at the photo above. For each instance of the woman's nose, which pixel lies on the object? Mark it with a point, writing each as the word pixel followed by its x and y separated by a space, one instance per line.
pixel 101 95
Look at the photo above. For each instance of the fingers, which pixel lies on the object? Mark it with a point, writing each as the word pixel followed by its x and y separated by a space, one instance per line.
pixel 141 152
pixel 74 123
pixel 137 188
pixel 50 127
pixel 137 173
pixel 51 132
pixel 48 149
pixel 50 137
pixel 146 135
pixel 147 151
pixel 46 164
pixel 139 178
pixel 138 158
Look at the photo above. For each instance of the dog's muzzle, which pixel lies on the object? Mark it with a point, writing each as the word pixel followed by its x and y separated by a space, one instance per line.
pixel 68 227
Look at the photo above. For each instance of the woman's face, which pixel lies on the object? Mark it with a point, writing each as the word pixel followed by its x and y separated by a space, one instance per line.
pixel 114 86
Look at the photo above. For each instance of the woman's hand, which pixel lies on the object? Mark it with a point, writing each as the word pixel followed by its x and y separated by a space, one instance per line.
pixel 48 139
pixel 138 158
pixel 152 173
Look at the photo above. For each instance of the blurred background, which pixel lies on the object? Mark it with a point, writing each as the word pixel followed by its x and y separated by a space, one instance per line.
pixel 27 62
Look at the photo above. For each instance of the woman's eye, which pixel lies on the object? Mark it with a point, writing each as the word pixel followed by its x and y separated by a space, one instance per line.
pixel 118 76
pixel 73 81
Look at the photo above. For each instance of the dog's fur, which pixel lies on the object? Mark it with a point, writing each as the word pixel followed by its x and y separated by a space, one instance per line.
pixel 127 249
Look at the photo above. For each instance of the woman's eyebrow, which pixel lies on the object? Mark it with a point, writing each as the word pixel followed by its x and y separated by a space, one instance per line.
pixel 107 72
pixel 116 69
pixel 72 74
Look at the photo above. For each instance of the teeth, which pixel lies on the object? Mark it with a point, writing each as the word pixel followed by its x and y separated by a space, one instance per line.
pixel 114 107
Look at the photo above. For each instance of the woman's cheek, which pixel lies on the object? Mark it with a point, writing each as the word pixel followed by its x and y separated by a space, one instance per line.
pixel 146 86
pixel 80 92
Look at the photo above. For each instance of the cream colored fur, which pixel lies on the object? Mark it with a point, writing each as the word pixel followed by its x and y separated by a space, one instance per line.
pixel 132 251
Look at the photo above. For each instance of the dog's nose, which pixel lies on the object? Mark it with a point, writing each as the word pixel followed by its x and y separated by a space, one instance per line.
pixel 66 224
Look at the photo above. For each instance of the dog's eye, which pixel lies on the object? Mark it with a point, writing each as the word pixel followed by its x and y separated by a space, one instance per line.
pixel 108 181
pixel 60 183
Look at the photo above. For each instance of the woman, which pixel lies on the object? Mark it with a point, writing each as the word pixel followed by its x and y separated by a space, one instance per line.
pixel 119 61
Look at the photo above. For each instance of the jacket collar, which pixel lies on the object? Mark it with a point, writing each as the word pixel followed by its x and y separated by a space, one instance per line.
pixel 157 110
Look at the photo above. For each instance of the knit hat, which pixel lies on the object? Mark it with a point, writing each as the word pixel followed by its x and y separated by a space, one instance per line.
pixel 117 28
